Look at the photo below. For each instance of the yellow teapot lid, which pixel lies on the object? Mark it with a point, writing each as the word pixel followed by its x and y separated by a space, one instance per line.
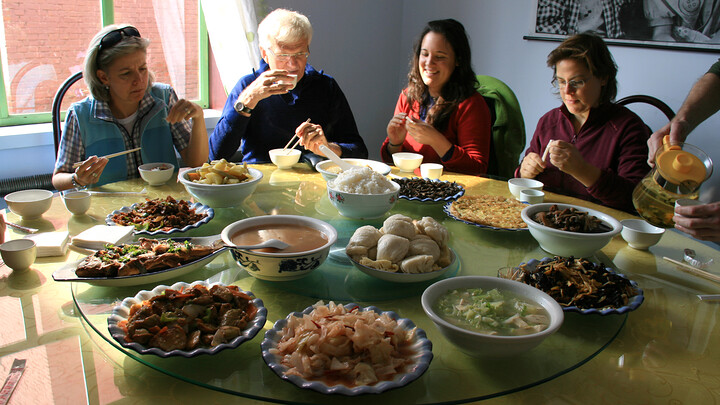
pixel 679 166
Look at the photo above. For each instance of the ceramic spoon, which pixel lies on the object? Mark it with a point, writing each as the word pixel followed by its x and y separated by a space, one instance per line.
pixel 270 243
pixel 336 159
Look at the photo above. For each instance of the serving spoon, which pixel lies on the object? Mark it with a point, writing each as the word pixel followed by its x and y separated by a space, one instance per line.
pixel 217 242
pixel 336 159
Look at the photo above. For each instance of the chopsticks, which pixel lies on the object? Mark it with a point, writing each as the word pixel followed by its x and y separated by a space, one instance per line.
pixel 291 139
pixel 21 228
pixel 110 156
pixel 694 270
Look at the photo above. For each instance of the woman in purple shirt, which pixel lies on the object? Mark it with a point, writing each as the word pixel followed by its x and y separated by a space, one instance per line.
pixel 589 147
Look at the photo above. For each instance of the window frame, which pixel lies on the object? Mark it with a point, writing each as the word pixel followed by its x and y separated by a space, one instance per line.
pixel 107 17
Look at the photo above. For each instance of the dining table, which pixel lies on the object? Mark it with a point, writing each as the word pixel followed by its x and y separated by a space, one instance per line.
pixel 665 351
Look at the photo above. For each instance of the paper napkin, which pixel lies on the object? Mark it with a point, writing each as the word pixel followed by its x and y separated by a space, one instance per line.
pixel 99 235
pixel 50 243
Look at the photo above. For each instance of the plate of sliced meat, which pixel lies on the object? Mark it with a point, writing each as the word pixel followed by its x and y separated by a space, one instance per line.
pixel 146 261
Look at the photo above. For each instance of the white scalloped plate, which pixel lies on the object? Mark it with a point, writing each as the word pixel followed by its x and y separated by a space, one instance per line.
pixel 421 346
pixel 122 311
pixel 198 207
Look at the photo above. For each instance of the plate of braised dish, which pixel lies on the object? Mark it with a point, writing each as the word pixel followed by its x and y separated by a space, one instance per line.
pixel 144 262
pixel 187 319
pixel 161 216
pixel 579 285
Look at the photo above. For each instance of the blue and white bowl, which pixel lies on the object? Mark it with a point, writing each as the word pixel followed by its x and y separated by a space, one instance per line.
pixel 279 266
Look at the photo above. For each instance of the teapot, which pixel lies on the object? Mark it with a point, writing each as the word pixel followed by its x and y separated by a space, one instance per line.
pixel 680 169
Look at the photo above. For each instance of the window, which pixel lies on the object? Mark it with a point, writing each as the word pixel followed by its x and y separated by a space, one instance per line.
pixel 44 43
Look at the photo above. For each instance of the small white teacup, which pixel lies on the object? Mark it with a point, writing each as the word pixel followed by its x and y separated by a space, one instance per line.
pixel 532 196
pixel 294 81
pixel 431 170
pixel 77 202
pixel 19 254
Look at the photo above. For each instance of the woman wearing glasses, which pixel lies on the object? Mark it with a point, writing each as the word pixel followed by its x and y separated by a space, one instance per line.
pixel 440 114
pixel 283 98
pixel 126 110
pixel 589 147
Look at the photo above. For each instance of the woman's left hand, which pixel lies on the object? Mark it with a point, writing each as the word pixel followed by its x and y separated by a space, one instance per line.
pixel 422 132
pixel 184 110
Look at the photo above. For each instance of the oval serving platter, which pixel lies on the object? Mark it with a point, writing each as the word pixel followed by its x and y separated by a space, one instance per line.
pixel 198 207
pixel 122 311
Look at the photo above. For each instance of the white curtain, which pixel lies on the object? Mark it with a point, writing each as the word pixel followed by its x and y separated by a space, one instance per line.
pixel 170 17
pixel 232 28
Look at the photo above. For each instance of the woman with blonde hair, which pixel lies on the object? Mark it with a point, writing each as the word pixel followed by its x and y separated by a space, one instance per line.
pixel 125 110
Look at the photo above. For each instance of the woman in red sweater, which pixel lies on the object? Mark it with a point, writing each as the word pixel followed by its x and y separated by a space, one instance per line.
pixel 440 114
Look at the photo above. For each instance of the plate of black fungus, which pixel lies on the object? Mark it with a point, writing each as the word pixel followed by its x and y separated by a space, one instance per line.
pixel 429 191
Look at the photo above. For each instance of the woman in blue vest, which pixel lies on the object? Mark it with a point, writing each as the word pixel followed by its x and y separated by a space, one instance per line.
pixel 126 110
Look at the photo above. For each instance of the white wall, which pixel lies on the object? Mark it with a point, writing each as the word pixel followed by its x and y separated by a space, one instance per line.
pixel 366 44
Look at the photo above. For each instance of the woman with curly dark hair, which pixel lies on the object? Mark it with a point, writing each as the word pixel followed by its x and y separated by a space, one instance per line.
pixel 440 114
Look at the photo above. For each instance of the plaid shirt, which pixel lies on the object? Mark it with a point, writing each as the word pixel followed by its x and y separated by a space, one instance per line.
pixel 561 17
pixel 72 149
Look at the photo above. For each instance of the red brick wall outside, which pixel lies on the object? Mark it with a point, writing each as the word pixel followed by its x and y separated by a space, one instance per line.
pixel 46 43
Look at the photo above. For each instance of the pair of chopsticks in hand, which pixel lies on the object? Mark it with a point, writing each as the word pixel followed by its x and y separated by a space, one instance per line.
pixel 112 155
pixel 296 142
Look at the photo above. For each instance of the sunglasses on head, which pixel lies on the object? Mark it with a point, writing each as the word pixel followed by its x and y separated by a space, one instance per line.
pixel 113 37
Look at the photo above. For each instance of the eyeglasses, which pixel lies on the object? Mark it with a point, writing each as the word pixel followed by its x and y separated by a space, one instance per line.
pixel 284 57
pixel 113 37
pixel 574 84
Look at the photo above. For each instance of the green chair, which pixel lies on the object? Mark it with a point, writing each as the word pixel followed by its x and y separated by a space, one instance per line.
pixel 508 126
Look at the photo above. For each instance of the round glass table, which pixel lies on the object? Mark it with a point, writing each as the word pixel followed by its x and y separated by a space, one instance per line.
pixel 452 377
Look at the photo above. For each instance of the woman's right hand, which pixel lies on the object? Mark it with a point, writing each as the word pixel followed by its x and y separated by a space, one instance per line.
pixel 90 170
pixel 531 166
pixel 396 129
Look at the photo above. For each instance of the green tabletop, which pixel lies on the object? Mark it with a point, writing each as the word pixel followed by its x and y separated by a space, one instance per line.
pixel 661 352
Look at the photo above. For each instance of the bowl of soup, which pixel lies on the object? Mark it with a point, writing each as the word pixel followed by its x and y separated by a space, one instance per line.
pixel 491 317
pixel 310 240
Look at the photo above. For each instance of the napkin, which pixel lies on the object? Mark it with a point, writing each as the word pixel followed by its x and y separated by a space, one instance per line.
pixel 99 235
pixel 50 243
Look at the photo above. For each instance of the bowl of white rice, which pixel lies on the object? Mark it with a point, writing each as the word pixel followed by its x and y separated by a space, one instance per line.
pixel 362 193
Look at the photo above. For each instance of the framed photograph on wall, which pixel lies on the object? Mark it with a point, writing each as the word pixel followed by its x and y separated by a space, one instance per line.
pixel 667 24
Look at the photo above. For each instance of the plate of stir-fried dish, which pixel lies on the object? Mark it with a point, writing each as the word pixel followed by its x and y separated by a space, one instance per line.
pixel 144 262
pixel 161 216
pixel 354 350
pixel 187 319
pixel 579 285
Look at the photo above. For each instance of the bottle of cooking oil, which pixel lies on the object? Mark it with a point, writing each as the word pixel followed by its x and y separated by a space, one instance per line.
pixel 678 173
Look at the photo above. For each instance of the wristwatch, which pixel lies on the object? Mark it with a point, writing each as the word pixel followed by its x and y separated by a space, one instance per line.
pixel 242 108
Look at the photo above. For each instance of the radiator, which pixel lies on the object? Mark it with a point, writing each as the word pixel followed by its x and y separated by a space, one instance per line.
pixel 42 181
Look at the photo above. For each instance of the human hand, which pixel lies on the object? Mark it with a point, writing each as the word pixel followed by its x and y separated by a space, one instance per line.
pixel 566 157
pixel 532 165
pixel 699 221
pixel 422 132
pixel 90 170
pixel 269 83
pixel 396 129
pixel 311 137
pixel 184 110
pixel 678 131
